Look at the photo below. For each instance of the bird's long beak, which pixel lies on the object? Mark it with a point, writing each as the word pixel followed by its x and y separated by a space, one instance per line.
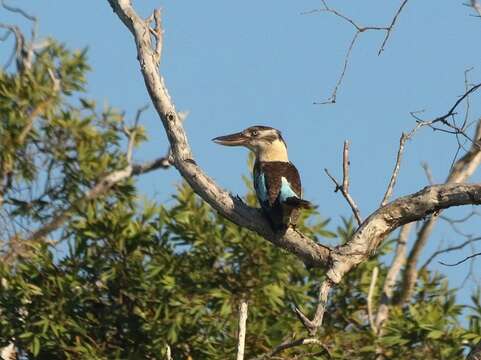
pixel 236 139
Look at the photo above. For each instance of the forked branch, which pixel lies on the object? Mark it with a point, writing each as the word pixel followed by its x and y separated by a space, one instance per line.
pixel 359 30
pixel 344 188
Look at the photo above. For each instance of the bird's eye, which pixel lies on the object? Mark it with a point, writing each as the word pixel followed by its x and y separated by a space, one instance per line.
pixel 255 133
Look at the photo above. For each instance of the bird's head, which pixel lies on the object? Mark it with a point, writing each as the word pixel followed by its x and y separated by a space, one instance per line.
pixel 264 141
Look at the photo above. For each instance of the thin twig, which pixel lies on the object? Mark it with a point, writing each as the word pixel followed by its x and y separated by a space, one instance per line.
pixel 466 88
pixel 18 11
pixel 313 325
pixel 332 99
pixel 391 27
pixel 395 173
pixel 359 30
pixel 345 166
pixel 461 261
pixel 449 249
pixel 428 172
pixel 443 119
pixel 132 133
pixel 344 188
pixel 347 196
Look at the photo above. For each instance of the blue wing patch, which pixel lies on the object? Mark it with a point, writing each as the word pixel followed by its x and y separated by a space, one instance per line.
pixel 286 190
pixel 261 188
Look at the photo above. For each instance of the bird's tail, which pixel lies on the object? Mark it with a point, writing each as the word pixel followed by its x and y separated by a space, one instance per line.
pixel 295 202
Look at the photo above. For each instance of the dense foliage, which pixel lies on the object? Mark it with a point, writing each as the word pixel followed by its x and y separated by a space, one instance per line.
pixel 125 277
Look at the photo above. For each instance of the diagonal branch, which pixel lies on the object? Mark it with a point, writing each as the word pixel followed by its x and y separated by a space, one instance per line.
pixel 391 26
pixel 359 30
pixel 24 49
pixel 392 274
pixel 449 249
pixel 395 173
pixel 460 172
pixel 339 261
pixel 99 189
pixel 231 207
pixel 102 187
pixel 379 225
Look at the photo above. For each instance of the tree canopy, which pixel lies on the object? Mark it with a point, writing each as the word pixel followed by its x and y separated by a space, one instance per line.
pixel 92 268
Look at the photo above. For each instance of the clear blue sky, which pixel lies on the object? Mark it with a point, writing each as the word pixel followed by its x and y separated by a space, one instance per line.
pixel 236 64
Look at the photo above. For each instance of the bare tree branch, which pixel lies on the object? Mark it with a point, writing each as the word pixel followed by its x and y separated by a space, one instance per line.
pixel 397 166
pixel 460 172
pixel 339 261
pixel 461 261
pixel 359 30
pixel 231 207
pixel 18 11
pixel 242 330
pixel 391 26
pixel 345 183
pixel 389 283
pixel 313 325
pixel 449 249
pixel 452 128
pixel 103 186
pixel 24 50
pixel 372 287
pixel 392 274
pixel 382 222
pixel 428 172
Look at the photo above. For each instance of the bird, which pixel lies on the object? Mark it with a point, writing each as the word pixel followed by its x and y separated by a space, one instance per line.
pixel 276 180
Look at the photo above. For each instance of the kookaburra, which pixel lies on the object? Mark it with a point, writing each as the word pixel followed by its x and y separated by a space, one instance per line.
pixel 276 179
